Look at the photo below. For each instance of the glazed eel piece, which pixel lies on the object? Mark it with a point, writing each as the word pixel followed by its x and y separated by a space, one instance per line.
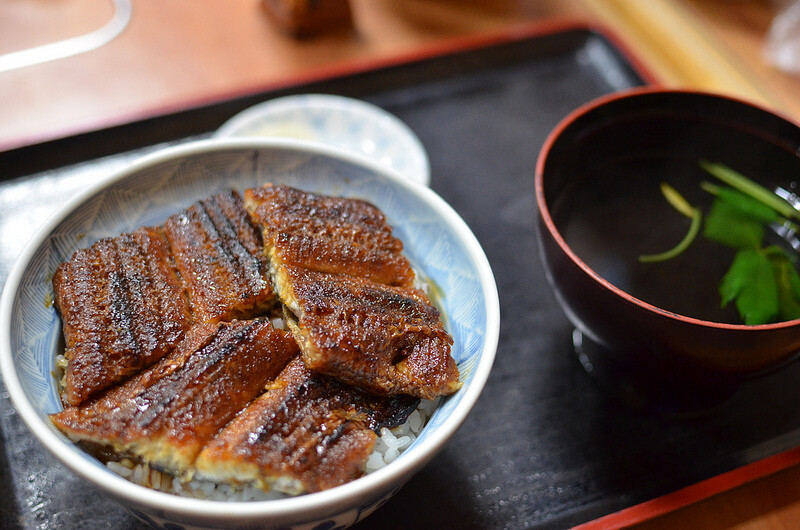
pixel 122 307
pixel 220 259
pixel 306 433
pixel 126 301
pixel 166 414
pixel 349 296
pixel 328 234
pixel 382 339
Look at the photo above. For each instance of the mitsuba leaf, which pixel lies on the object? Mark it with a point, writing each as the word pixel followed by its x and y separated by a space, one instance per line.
pixel 787 281
pixel 746 205
pixel 745 185
pixel 727 225
pixel 750 282
pixel 794 282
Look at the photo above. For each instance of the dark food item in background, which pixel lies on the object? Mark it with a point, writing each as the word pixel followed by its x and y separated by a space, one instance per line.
pixel 219 256
pixel 306 433
pixel 305 18
pixel 164 415
pixel 383 339
pixel 122 308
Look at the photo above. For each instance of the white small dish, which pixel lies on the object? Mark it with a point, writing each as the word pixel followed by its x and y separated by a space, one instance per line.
pixel 356 126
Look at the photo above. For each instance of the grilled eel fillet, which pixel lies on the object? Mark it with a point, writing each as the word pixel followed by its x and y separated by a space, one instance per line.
pixel 164 415
pixel 122 307
pixel 328 234
pixel 348 288
pixel 385 340
pixel 219 256
pixel 126 301
pixel 306 433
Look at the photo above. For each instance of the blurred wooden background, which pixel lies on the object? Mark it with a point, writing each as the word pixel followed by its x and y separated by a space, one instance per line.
pixel 186 51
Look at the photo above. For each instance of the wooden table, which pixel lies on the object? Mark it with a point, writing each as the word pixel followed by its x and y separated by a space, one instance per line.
pixel 191 51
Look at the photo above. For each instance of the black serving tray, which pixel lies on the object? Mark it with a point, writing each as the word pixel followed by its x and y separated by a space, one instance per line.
pixel 544 446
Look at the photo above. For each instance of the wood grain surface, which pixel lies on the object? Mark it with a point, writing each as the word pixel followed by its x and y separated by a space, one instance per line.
pixel 183 52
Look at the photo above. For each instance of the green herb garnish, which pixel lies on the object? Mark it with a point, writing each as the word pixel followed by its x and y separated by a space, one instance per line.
pixel 762 282
pixel 745 185
pixel 745 204
pixel 731 226
pixel 683 206
pixel 751 285
pixel 787 281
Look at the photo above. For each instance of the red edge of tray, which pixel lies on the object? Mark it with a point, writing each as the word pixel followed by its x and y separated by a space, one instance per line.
pixel 465 43
pixel 689 495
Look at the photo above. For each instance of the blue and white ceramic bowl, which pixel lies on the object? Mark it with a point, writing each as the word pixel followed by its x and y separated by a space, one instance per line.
pixel 361 128
pixel 436 239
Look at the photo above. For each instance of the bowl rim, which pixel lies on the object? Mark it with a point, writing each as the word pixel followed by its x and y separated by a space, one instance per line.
pixel 547 220
pixel 377 481
pixel 362 109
